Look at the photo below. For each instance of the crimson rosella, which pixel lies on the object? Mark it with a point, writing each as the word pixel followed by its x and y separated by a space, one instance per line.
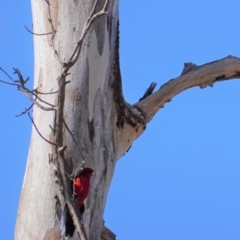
pixel 80 188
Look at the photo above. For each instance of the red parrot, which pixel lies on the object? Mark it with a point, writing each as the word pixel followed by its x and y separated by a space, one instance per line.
pixel 80 188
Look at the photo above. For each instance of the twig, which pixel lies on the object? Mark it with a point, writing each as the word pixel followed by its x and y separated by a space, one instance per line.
pixel 39 131
pixel 93 10
pixel 38 34
pixel 37 97
pixel 20 77
pixel 72 138
pixel 14 84
pixel 6 74
pixel 36 91
pixel 81 231
pixel 77 171
pixel 34 94
pixel 25 91
pixel 51 128
pixel 53 31
pixel 69 176
pixel 20 84
pixel 91 19
pixel 25 111
pixel 105 5
pixel 50 19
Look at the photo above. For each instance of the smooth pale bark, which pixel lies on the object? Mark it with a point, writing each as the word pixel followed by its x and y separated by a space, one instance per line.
pixel 89 110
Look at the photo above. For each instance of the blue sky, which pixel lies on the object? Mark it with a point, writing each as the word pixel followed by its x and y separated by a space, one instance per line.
pixel 180 180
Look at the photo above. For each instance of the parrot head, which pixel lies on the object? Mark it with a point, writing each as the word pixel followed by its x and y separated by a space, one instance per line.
pixel 87 172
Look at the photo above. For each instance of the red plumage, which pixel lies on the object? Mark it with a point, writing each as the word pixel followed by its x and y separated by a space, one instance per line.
pixel 80 188
pixel 81 185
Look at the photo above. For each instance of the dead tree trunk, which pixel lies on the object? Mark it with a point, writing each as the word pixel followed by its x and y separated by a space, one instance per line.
pixel 76 59
pixel 84 117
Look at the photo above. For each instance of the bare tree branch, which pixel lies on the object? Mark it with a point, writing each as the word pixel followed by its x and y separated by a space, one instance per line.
pixel 38 34
pixel 25 111
pixel 77 221
pixel 13 84
pixel 26 93
pixel 20 84
pixel 36 91
pixel 37 97
pixel 88 24
pixel 202 76
pixel 6 74
pixel 53 31
pixel 39 131
pixel 75 141
pixel 21 80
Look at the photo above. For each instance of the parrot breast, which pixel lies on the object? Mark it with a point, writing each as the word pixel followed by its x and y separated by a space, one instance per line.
pixel 81 189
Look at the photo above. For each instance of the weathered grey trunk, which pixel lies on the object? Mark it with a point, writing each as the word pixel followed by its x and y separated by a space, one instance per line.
pixel 89 111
